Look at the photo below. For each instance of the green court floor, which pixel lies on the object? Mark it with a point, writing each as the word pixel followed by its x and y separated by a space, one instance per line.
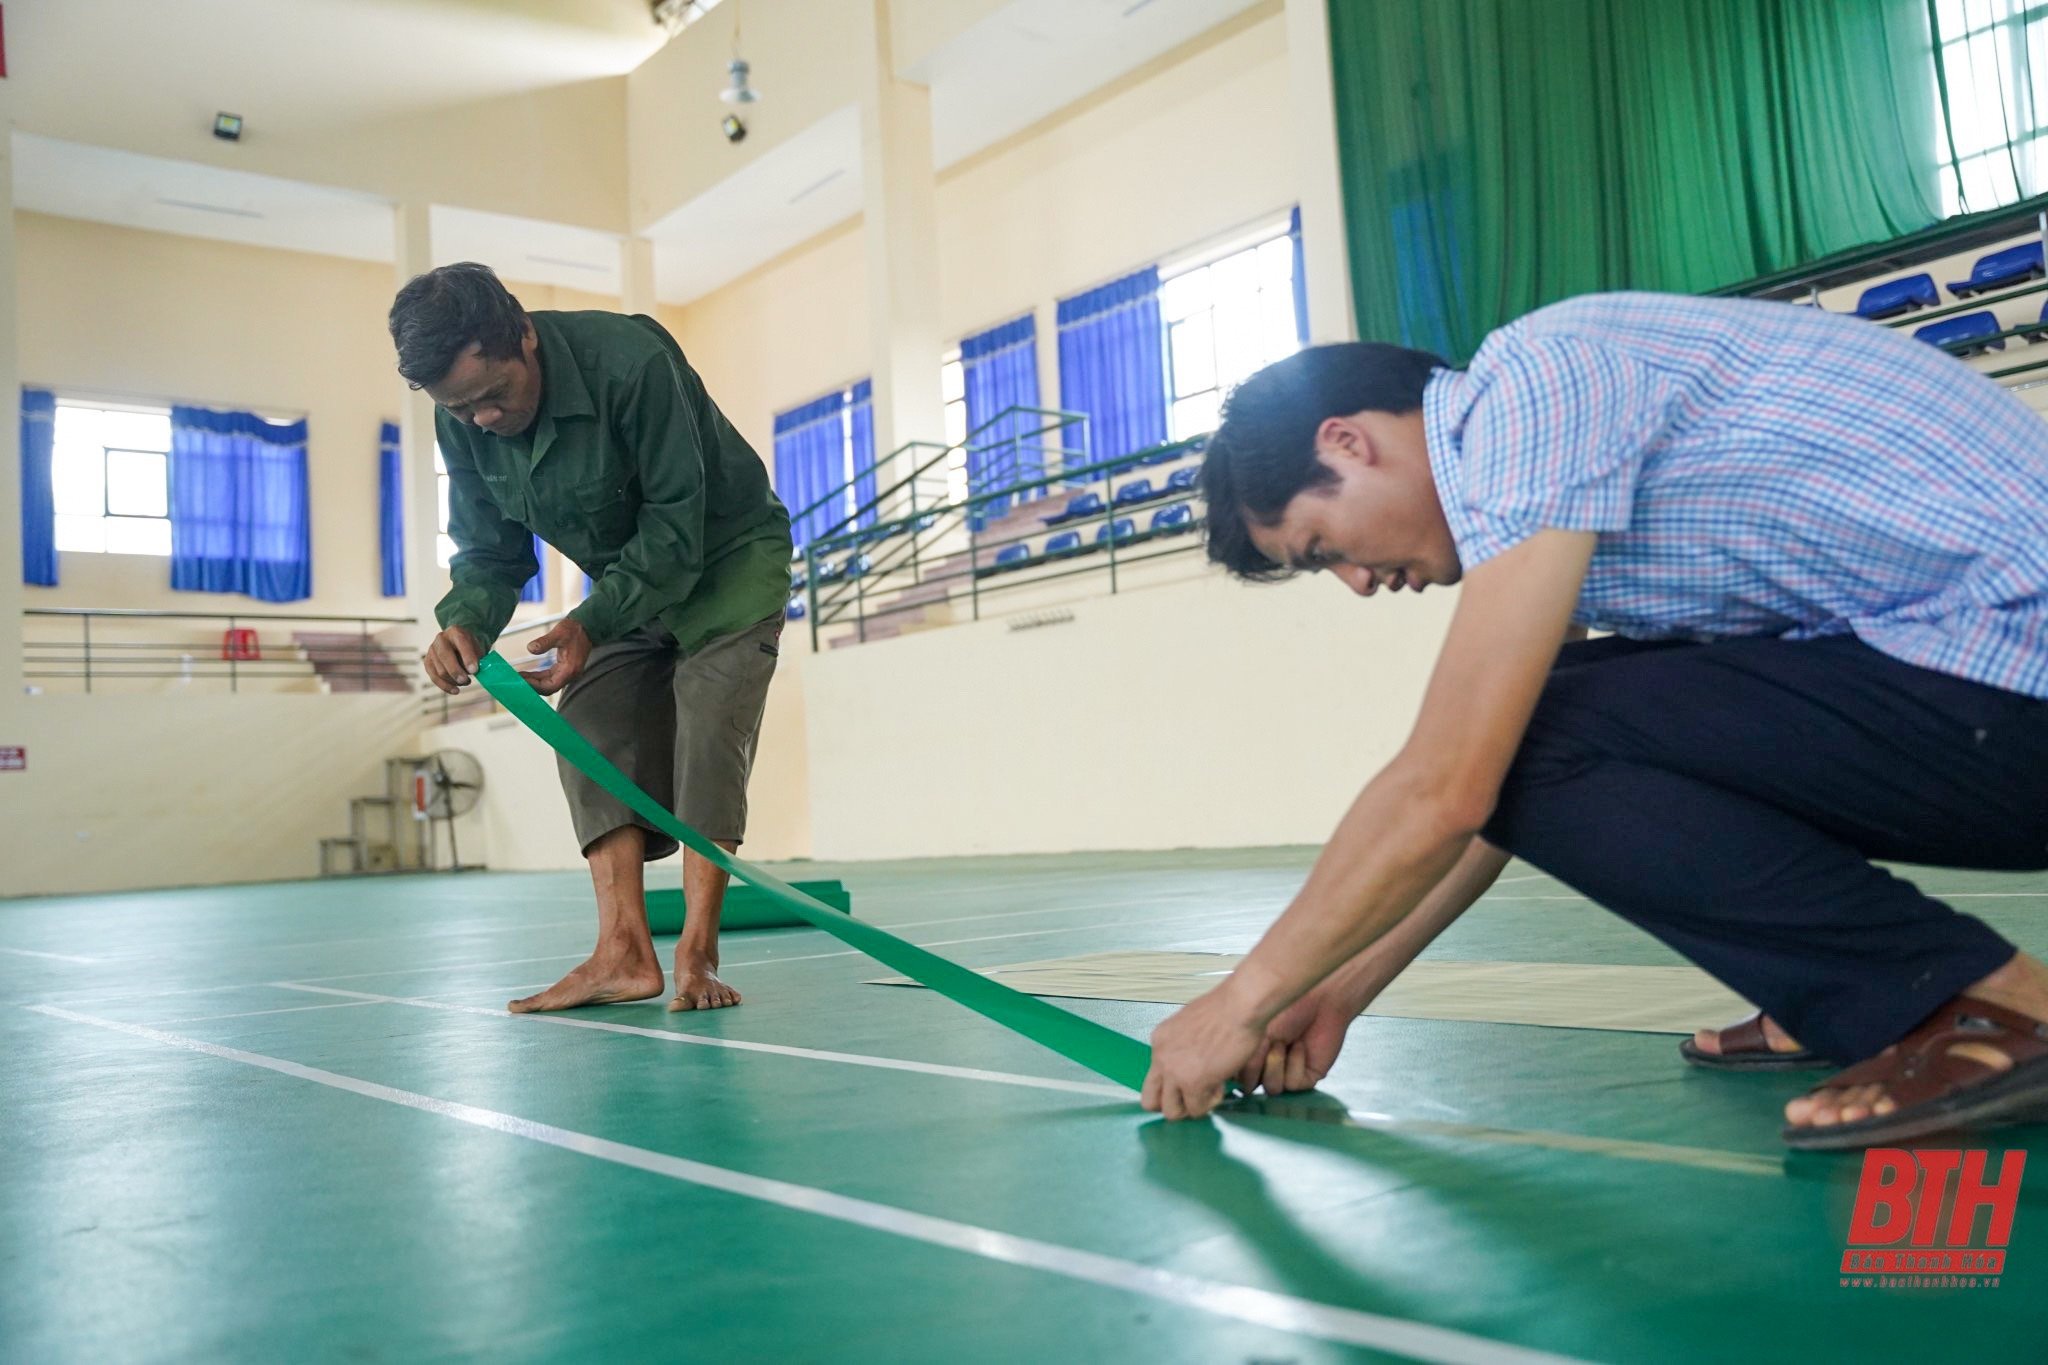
pixel 292 1123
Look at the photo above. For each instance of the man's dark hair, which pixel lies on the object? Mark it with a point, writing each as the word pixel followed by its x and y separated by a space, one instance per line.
pixel 1265 450
pixel 437 315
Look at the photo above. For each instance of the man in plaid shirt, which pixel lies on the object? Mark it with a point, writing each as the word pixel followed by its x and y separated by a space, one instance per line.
pixel 1821 549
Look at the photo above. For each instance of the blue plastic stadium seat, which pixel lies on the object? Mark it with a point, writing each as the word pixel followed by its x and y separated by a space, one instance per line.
pixel 856 565
pixel 1172 520
pixel 1964 335
pixel 795 610
pixel 2039 333
pixel 1011 555
pixel 831 573
pixel 1065 543
pixel 1135 492
pixel 1894 297
pixel 1086 505
pixel 1183 480
pixel 1120 530
pixel 2010 266
pixel 797 580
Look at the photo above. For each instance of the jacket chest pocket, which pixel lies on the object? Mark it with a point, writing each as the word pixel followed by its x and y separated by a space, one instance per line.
pixel 608 505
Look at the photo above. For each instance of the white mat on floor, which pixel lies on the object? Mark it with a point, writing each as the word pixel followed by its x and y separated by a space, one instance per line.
pixel 1551 994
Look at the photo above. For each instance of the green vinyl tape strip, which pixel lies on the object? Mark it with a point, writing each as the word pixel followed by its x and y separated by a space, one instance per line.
pixel 1102 1050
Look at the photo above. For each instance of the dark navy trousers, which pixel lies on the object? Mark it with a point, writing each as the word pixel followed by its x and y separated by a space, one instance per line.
pixel 1729 798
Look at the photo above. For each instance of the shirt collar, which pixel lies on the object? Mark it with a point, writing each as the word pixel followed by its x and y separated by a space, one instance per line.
pixel 563 392
pixel 1446 403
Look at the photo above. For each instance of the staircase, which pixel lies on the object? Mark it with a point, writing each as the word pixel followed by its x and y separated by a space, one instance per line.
pixel 347 662
pixel 946 578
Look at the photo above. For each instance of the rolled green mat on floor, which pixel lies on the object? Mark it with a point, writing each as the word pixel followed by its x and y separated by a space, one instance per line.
pixel 746 907
pixel 1104 1051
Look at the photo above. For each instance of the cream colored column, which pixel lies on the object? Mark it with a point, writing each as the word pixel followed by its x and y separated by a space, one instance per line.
pixel 1324 254
pixel 900 200
pixel 636 275
pixel 425 581
pixel 12 595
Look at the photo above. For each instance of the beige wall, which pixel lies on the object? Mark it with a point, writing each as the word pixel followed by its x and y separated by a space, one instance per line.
pixel 125 792
pixel 1204 714
pixel 111 312
pixel 808 54
pixel 1182 151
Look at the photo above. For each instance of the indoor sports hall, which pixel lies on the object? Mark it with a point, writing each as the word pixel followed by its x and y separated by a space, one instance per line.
pixel 305 1052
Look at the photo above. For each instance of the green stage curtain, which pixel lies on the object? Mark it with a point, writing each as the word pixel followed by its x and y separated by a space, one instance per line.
pixel 1501 154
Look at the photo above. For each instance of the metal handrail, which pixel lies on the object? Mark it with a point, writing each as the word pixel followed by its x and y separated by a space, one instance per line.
pixel 135 660
pixel 846 598
pixel 1916 248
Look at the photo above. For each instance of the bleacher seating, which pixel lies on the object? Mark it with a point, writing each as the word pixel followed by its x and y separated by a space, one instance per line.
pixel 1893 297
pixel 795 610
pixel 1012 556
pixel 1065 543
pixel 856 565
pixel 2038 333
pixel 1183 480
pixel 1965 335
pixel 2013 265
pixel 1135 492
pixel 1084 505
pixel 1120 530
pixel 1172 520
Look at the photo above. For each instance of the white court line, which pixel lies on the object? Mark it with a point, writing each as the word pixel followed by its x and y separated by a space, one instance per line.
pixel 1243 1303
pixel 966 1073
pixel 805 957
pixel 54 957
pixel 1698 1158
pixel 252 1014
pixel 1532 877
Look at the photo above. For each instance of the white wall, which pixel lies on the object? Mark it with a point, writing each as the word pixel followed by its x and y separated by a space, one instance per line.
pixel 1204 714
pixel 139 791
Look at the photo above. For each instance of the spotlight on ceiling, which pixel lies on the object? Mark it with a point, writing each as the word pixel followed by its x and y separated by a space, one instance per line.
pixel 227 127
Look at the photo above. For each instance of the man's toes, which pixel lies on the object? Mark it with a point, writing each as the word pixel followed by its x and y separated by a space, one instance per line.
pixel 1707 1040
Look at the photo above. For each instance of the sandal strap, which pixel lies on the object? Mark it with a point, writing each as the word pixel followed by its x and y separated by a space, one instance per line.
pixel 1747 1036
pixel 1924 1066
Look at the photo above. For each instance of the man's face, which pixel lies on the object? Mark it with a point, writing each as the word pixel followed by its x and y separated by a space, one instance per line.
pixel 501 396
pixel 1380 524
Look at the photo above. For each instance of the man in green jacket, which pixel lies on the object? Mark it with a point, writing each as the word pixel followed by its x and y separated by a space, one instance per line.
pixel 591 431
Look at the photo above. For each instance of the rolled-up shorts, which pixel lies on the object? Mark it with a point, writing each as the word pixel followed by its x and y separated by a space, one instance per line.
pixel 682 726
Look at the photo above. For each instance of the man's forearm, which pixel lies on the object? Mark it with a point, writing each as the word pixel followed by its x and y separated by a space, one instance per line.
pixel 1400 838
pixel 1358 982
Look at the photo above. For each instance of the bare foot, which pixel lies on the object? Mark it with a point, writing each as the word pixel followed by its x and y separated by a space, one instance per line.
pixel 1708 1040
pixel 698 986
pixel 606 978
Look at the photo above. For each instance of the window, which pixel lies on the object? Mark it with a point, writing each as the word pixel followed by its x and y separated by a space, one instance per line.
pixel 953 391
pixel 110 476
pixel 444 544
pixel 1988 52
pixel 1226 318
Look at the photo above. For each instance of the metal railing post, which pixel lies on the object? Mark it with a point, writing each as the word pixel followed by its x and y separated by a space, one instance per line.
pixel 1109 526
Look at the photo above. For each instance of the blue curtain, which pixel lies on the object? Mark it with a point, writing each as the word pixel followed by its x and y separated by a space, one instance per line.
pixel 810 455
pixel 536 589
pixel 1113 364
pixel 1300 277
pixel 1001 370
pixel 239 519
pixel 864 485
pixel 391 509
pixel 38 503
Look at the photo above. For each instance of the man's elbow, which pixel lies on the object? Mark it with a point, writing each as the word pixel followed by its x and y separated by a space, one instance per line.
pixel 1451 806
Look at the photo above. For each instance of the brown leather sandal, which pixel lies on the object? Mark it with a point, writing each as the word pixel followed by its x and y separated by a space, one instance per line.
pixel 1937 1089
pixel 1745 1048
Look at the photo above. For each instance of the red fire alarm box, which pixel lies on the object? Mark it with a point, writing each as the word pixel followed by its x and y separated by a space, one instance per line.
pixel 239 645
